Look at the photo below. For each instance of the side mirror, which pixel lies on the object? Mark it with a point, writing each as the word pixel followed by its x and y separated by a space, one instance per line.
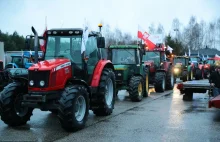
pixel 101 42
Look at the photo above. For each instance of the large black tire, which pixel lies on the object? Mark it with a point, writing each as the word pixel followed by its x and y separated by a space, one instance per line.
pixel 190 75
pixel 169 79
pixel 198 74
pixel 159 84
pixel 68 103
pixel 136 88
pixel 11 111
pixel 146 81
pixel 185 76
pixel 106 105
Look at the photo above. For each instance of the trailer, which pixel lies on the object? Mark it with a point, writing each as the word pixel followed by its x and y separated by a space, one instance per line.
pixel 195 86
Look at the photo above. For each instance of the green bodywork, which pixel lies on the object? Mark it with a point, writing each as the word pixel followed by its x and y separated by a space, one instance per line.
pixel 124 70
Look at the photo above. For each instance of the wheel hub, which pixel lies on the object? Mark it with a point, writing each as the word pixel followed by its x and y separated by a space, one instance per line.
pixel 109 92
pixel 80 108
pixel 140 89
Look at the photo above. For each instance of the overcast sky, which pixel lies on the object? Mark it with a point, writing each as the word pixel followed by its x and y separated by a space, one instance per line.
pixel 20 15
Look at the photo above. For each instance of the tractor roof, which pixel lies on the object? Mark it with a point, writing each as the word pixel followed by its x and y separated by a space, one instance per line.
pixel 124 46
pixel 70 31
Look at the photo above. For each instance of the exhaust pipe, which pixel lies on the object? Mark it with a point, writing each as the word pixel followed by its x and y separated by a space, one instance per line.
pixel 35 45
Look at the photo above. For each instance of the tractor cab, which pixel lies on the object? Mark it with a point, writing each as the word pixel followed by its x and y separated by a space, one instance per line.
pixel 155 57
pixel 68 44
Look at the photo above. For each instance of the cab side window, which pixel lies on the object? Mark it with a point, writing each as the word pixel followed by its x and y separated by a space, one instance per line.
pixel 91 51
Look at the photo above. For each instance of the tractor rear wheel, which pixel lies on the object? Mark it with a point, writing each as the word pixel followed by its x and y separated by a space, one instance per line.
pixel 73 107
pixel 106 93
pixel 198 74
pixel 146 81
pixel 159 85
pixel 169 79
pixel 11 111
pixel 185 76
pixel 136 88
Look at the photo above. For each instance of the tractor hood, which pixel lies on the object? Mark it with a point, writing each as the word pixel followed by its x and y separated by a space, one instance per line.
pixel 121 67
pixel 48 64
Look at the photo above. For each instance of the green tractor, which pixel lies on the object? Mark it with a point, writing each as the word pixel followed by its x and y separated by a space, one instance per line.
pixel 182 68
pixel 129 71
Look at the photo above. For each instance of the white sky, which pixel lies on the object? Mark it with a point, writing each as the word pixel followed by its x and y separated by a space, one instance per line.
pixel 20 15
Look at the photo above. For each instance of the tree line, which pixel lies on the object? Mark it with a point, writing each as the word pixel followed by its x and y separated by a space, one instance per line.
pixel 195 35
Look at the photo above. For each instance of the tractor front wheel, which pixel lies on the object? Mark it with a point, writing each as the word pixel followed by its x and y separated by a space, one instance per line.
pixel 11 110
pixel 106 93
pixel 159 85
pixel 136 88
pixel 73 107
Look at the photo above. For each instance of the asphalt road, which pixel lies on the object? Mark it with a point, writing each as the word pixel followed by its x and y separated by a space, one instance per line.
pixel 160 117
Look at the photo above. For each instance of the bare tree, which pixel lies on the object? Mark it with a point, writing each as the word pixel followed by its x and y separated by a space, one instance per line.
pixel 160 29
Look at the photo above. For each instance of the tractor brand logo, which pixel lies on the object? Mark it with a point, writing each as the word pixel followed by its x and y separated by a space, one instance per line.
pixel 66 70
pixel 63 66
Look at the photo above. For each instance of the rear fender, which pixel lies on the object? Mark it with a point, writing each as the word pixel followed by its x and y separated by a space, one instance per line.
pixel 98 71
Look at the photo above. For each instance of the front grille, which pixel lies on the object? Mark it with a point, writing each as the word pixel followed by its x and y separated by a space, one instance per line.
pixel 38 76
pixel 119 75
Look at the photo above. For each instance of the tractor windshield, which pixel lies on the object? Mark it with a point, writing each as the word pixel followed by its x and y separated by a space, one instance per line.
pixel 152 56
pixel 194 59
pixel 180 60
pixel 123 56
pixel 211 62
pixel 64 47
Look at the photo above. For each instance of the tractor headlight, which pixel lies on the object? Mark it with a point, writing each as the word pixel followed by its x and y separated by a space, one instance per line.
pixel 31 83
pixel 176 70
pixel 42 83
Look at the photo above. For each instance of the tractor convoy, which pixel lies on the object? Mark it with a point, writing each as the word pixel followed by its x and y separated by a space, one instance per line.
pixel 72 76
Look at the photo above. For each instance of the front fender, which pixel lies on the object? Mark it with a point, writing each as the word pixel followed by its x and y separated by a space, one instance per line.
pixel 98 71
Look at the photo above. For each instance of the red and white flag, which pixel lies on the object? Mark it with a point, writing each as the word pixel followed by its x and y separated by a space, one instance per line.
pixel 140 32
pixel 42 41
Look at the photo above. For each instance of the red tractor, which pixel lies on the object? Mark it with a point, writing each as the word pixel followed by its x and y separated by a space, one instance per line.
pixel 197 67
pixel 72 79
pixel 209 66
pixel 160 70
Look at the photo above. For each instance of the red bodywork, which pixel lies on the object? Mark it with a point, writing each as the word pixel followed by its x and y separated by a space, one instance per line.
pixel 215 102
pixel 151 65
pixel 59 74
pixel 97 72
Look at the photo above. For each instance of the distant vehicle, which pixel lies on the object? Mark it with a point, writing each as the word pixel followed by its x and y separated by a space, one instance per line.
pixel 21 61
pixel 182 68
pixel 197 66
